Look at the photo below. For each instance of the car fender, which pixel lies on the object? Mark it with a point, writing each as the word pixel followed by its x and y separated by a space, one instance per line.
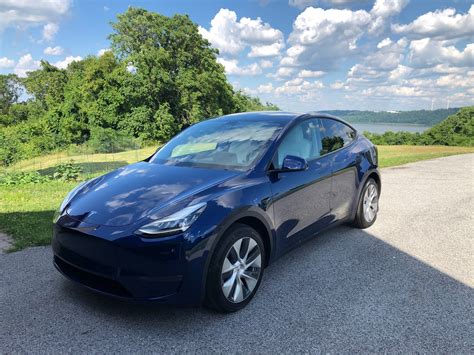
pixel 233 217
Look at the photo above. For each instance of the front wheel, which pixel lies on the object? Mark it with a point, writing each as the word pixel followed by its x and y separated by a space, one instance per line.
pixel 236 269
pixel 368 205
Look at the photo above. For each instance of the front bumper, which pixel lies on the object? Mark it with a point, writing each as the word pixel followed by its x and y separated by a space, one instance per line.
pixel 129 267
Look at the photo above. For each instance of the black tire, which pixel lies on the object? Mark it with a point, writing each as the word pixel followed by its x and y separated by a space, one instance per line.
pixel 361 221
pixel 215 297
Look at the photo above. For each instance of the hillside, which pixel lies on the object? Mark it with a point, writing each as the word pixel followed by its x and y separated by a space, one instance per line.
pixel 455 130
pixel 422 117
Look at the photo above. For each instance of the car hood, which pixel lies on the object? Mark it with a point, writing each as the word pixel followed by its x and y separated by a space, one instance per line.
pixel 126 195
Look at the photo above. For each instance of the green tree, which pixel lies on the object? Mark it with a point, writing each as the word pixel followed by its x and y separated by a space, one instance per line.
pixel 245 103
pixel 9 92
pixel 175 65
pixel 46 85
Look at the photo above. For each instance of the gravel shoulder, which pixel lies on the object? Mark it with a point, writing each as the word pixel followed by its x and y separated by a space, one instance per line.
pixel 403 285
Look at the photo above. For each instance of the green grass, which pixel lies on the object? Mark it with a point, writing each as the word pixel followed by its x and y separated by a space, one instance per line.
pixel 392 155
pixel 26 211
pixel 91 163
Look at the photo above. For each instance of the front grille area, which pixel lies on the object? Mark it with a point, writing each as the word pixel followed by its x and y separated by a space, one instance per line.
pixel 96 282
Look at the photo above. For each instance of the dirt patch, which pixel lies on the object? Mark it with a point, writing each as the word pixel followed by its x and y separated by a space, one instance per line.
pixel 5 242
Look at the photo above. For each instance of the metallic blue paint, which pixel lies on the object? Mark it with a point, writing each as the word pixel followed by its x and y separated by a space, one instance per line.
pixel 96 245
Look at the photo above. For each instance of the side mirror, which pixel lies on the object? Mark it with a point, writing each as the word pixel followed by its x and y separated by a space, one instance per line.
pixel 294 163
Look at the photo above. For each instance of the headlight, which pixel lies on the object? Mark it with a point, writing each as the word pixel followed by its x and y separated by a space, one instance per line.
pixel 175 223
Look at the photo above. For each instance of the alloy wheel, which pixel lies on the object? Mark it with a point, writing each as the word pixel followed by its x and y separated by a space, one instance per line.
pixel 371 203
pixel 241 270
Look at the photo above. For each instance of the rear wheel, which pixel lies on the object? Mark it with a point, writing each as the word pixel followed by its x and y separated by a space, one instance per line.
pixel 236 269
pixel 368 205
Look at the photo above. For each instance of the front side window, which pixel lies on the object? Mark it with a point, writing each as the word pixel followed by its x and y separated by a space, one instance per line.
pixel 219 143
pixel 300 141
pixel 334 135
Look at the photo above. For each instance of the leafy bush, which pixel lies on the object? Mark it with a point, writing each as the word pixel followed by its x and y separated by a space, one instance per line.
pixel 67 172
pixel 19 178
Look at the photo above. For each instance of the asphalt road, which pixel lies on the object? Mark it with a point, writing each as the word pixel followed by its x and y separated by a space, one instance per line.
pixel 403 285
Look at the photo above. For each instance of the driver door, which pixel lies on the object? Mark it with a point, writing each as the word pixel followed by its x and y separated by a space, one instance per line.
pixel 301 199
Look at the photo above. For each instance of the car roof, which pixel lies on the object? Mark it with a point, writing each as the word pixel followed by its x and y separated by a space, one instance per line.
pixel 277 116
pixel 262 115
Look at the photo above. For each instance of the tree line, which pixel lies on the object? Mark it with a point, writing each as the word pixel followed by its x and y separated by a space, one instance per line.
pixel 159 77
pixel 422 117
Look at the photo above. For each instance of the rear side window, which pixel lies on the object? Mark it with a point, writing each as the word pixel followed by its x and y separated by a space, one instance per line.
pixel 334 135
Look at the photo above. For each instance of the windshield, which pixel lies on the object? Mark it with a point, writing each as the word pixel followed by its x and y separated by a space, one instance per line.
pixel 219 143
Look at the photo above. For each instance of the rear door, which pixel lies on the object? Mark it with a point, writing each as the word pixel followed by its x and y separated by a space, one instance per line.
pixel 337 141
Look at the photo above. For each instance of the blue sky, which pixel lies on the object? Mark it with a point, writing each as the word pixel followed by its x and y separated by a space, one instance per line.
pixel 300 54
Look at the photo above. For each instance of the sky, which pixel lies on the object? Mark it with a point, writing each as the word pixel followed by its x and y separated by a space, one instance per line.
pixel 302 55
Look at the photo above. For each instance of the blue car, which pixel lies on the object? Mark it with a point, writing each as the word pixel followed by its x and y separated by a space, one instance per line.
pixel 198 221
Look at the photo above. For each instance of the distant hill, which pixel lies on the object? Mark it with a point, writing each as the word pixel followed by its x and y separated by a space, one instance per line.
pixel 422 117
pixel 455 130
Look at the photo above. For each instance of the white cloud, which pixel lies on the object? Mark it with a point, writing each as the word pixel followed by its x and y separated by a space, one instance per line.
pixel 323 37
pixel 6 63
pixel 380 68
pixel 400 72
pixel 337 85
pixel 231 36
pixel 53 50
pixel 464 80
pixel 283 72
pixel 383 10
pixel 232 67
pixel 264 64
pixel 426 53
pixel 49 31
pixel 63 64
pixel 384 43
pixel 102 51
pixel 270 50
pixel 387 8
pixel 25 64
pixel 31 12
pixel 395 90
pixel 301 4
pixel 299 87
pixel 320 37
pixel 310 73
pixel 265 88
pixel 440 24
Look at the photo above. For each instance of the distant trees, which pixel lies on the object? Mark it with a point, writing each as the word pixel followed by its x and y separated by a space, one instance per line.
pixel 455 130
pixel 160 76
pixel 423 117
